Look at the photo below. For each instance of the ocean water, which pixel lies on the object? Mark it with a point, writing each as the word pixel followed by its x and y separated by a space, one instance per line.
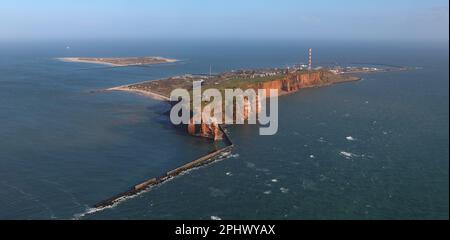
pixel 374 149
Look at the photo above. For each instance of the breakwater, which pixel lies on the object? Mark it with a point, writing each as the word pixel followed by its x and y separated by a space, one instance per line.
pixel 144 186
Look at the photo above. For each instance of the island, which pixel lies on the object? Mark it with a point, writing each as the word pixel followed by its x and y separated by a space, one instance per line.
pixel 285 80
pixel 120 61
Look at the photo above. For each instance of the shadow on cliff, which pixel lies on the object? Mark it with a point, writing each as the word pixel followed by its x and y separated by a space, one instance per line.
pixel 162 118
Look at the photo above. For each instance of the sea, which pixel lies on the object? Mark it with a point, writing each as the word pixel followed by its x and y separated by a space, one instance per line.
pixel 373 149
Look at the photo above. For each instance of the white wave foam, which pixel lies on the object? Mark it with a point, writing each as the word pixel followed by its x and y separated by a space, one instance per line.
pixel 89 211
pixel 215 218
pixel 234 155
pixel 348 155
pixel 284 190
pixel 225 154
pixel 350 138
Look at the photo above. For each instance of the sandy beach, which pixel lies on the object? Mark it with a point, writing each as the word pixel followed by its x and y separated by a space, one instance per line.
pixel 78 60
pixel 152 95
pixel 119 62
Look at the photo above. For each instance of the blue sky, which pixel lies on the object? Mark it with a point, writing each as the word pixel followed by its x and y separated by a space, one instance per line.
pixel 397 20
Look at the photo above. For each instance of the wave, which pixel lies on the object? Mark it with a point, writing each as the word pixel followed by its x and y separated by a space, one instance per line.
pixel 284 190
pixel 348 155
pixel 350 138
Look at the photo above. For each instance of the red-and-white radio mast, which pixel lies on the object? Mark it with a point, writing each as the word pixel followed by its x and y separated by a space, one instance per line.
pixel 310 60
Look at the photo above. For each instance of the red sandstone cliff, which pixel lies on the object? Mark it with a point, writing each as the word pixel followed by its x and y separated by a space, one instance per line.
pixel 206 130
pixel 297 81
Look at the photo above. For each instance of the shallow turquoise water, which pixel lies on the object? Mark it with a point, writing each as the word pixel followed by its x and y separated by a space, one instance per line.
pixel 64 148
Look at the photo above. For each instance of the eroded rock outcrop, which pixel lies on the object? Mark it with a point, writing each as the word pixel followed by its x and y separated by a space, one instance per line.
pixel 210 129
